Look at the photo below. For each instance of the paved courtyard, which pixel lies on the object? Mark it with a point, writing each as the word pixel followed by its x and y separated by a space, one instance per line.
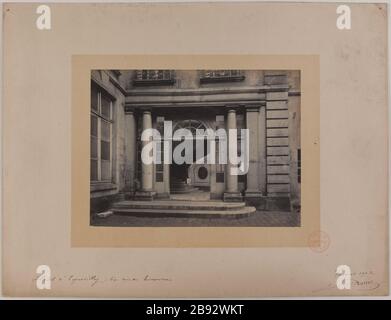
pixel 257 219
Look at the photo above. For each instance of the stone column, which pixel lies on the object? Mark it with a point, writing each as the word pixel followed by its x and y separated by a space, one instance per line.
pixel 130 152
pixel 146 169
pixel 146 192
pixel 253 194
pixel 232 193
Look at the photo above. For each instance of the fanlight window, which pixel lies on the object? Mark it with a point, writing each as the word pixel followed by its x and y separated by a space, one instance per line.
pixel 191 125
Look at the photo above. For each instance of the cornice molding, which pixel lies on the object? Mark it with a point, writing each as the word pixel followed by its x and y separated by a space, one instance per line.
pixel 205 91
pixel 117 85
pixel 223 104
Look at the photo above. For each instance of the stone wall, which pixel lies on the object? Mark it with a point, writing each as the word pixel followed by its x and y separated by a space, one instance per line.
pixel 102 194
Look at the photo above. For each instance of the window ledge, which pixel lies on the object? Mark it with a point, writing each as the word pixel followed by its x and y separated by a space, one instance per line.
pixel 153 82
pixel 102 186
pixel 221 79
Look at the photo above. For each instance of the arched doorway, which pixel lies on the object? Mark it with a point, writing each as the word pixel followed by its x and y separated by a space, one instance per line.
pixel 187 178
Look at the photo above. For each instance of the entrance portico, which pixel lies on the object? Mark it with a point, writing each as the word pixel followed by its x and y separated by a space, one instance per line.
pixel 160 180
pixel 259 101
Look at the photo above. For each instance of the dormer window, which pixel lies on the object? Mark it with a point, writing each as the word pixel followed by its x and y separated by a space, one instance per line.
pixel 210 76
pixel 154 77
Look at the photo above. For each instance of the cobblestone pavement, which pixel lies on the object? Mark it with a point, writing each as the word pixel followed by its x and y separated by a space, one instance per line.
pixel 257 219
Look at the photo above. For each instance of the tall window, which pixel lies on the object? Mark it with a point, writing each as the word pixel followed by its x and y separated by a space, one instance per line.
pixel 101 135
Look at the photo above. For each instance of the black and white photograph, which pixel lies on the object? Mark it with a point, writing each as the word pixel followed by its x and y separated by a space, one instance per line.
pixel 195 150
pixel 203 148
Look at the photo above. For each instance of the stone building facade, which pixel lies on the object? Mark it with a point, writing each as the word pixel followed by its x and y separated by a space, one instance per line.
pixel 123 103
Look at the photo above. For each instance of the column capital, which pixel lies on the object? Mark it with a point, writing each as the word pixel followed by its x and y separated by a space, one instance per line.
pixel 253 107
pixel 232 107
pixel 129 109
pixel 136 111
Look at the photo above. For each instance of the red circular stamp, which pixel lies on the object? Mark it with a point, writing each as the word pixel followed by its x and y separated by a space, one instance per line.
pixel 319 241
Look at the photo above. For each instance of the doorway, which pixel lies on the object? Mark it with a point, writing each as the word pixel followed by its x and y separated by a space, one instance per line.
pixel 190 178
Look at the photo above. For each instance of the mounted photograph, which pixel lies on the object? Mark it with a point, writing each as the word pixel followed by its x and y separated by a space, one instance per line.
pixel 196 148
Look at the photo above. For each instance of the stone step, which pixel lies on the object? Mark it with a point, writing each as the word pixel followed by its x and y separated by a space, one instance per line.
pixel 179 205
pixel 183 191
pixel 195 196
pixel 137 212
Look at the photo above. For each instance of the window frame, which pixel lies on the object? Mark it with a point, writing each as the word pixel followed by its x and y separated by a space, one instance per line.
pixel 109 119
pixel 208 76
pixel 145 77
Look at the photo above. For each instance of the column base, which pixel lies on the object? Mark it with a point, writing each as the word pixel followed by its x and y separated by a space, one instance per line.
pixel 232 197
pixel 252 194
pixel 144 195
pixel 121 196
pixel 129 195
pixel 255 198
